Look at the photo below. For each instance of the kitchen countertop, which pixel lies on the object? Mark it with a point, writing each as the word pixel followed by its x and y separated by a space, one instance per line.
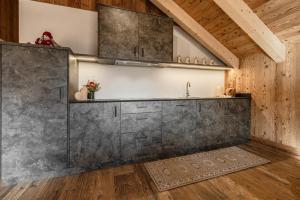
pixel 241 96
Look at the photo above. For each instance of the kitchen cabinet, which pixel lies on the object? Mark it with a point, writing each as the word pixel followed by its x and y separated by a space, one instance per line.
pixel 155 38
pixel 128 35
pixel 140 130
pixel 141 107
pixel 178 126
pixel 210 131
pixel 118 33
pixel 142 145
pixel 94 134
pixel 34 111
pixel 237 120
pixel 222 123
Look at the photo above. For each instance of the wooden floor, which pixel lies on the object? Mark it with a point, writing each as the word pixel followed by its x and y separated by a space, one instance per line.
pixel 277 180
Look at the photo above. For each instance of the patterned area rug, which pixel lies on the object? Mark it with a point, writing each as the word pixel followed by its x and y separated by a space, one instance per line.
pixel 175 172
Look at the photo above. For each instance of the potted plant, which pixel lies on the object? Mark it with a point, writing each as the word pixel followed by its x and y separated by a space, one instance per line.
pixel 92 87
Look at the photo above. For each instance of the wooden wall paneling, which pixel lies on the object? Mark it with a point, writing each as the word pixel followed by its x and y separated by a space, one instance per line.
pixel 257 76
pixel 285 99
pixel 275 90
pixel 9 20
pixel 297 93
pixel 262 86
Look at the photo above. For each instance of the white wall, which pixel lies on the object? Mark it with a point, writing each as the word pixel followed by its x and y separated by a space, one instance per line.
pixel 70 27
pixel 77 29
pixel 135 82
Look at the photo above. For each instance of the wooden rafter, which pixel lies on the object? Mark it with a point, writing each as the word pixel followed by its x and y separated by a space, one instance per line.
pixel 249 22
pixel 191 26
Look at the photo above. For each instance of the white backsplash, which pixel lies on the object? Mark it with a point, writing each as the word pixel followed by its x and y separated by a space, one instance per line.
pixel 140 82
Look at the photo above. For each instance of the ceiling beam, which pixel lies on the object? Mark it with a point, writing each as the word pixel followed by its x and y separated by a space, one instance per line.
pixel 249 22
pixel 191 26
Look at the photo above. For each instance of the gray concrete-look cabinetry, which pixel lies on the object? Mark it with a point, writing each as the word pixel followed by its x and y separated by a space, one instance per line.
pixel 148 130
pixel 94 134
pixel 34 111
pixel 129 35
pixel 140 130
pixel 155 38
pixel 179 125
pixel 222 122
pixel 118 33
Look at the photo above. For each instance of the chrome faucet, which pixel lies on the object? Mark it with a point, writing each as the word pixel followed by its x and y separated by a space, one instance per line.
pixel 188 85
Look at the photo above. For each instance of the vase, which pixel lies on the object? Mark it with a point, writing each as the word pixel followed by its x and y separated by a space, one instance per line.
pixel 91 95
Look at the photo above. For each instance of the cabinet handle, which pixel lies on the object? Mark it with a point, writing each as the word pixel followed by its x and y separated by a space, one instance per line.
pixel 142 118
pixel 115 111
pixel 180 105
pixel 199 107
pixel 141 106
pixel 142 136
pixel 61 93
pixel 135 50
pixel 142 52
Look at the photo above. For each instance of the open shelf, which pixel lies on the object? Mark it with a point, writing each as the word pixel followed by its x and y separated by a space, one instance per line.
pixel 118 62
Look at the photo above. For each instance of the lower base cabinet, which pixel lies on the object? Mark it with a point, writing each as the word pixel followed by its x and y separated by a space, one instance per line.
pixel 222 123
pixel 210 131
pixel 104 134
pixel 140 131
pixel 94 134
pixel 237 120
pixel 140 146
pixel 178 127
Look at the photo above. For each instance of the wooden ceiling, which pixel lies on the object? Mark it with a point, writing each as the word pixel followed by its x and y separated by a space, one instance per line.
pixel 281 16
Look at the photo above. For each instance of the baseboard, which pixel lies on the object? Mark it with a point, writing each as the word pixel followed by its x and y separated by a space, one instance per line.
pixel 291 150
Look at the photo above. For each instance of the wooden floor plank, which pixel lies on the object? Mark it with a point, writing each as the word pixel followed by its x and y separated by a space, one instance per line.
pixel 279 179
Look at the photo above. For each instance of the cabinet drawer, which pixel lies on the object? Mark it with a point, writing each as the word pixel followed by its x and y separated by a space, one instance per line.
pixel 141 145
pixel 179 106
pixel 140 122
pixel 140 107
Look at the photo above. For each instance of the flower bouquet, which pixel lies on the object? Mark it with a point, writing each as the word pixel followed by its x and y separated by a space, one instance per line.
pixel 92 87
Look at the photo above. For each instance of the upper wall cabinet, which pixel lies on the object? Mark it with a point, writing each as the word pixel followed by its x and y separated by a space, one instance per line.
pixel 155 38
pixel 129 35
pixel 118 33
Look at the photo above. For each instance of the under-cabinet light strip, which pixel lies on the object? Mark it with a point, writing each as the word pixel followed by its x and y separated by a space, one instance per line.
pixel 94 59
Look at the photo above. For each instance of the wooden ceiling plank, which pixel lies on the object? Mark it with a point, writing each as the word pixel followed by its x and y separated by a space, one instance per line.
pixel 255 3
pixel 285 23
pixel 287 32
pixel 283 11
pixel 242 15
pixel 191 26
pixel 271 7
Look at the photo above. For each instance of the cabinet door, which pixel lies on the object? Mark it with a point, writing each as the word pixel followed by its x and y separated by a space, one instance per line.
pixel 141 145
pixel 155 38
pixel 34 111
pixel 140 136
pixel 210 124
pixel 237 120
pixel 178 126
pixel 118 33
pixel 94 134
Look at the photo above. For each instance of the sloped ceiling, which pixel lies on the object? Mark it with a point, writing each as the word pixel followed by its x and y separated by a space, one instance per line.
pixel 281 16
